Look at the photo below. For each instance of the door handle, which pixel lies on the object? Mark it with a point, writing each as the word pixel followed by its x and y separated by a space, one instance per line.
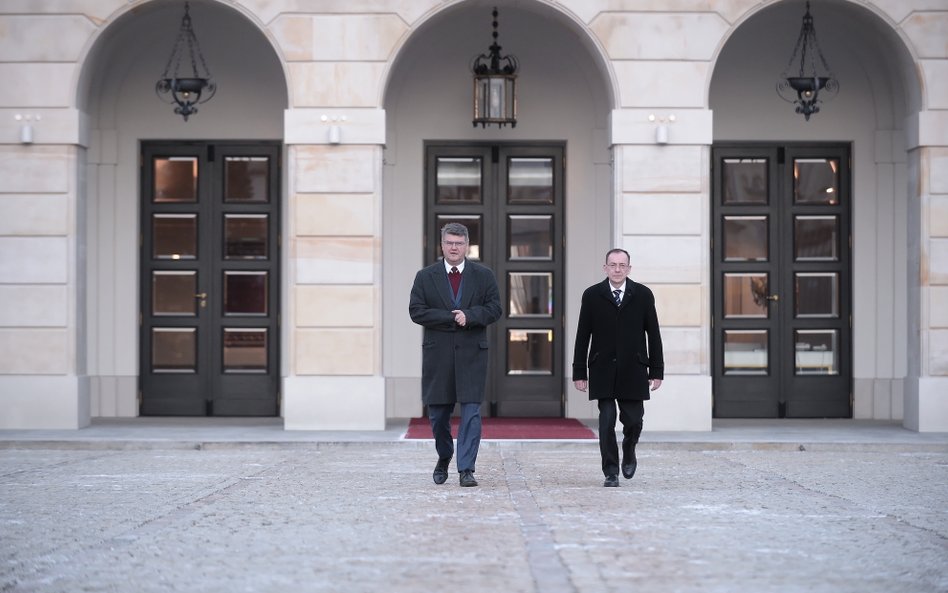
pixel 773 297
pixel 203 297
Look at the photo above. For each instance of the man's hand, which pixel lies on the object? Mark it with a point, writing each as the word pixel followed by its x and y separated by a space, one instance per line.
pixel 459 317
pixel 581 385
pixel 654 384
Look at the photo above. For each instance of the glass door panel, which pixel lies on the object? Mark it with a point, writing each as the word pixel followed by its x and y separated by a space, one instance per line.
pixel 816 238
pixel 174 350
pixel 531 294
pixel 458 180
pixel 246 179
pixel 816 181
pixel 746 238
pixel 175 179
pixel 745 296
pixel 246 236
pixel 746 352
pixel 530 237
pixel 530 180
pixel 745 181
pixel 816 351
pixel 817 294
pixel 245 350
pixel 175 236
pixel 174 293
pixel 530 352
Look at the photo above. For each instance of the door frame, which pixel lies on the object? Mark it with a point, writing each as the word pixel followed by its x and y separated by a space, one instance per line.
pixel 534 399
pixel 235 393
pixel 792 394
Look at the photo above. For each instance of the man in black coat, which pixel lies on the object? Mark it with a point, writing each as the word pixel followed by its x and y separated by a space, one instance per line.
pixel 624 362
pixel 454 300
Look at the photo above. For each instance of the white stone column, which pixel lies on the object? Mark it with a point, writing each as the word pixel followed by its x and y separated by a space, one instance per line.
pixel 332 322
pixel 926 409
pixel 662 176
pixel 41 374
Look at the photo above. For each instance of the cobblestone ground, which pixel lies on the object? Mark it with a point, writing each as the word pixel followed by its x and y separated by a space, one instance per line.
pixel 367 518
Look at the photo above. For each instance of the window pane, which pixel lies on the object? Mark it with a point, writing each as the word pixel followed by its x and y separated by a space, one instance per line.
pixel 816 238
pixel 247 179
pixel 245 293
pixel 173 293
pixel 530 352
pixel 817 294
pixel 744 181
pixel 745 295
pixel 745 352
pixel 473 224
pixel 745 238
pixel 174 236
pixel 459 180
pixel 175 179
pixel 245 236
pixel 817 351
pixel 530 180
pixel 816 181
pixel 531 294
pixel 245 350
pixel 173 350
pixel 531 237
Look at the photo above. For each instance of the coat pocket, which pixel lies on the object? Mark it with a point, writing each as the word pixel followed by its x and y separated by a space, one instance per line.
pixel 593 357
pixel 643 359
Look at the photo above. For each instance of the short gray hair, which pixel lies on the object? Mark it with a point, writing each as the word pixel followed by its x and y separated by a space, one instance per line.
pixel 455 228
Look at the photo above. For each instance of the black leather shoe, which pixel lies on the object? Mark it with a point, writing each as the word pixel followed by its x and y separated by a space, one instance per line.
pixel 467 479
pixel 611 482
pixel 628 469
pixel 440 473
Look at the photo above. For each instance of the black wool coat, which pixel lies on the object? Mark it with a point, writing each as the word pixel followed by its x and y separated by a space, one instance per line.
pixel 618 348
pixel 454 358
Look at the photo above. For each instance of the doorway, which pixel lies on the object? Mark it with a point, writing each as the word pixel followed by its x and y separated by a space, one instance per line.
pixel 210 253
pixel 510 197
pixel 781 281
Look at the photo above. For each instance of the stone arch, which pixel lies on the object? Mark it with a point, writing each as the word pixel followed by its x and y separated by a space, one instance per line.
pixel 118 109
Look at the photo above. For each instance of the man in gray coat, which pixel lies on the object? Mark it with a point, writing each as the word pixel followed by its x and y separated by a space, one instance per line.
pixel 623 363
pixel 455 300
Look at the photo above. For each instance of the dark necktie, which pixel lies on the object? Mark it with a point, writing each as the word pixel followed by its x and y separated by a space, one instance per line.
pixel 455 277
pixel 616 296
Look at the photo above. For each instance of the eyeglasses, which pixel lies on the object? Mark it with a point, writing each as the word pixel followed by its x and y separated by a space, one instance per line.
pixel 617 266
pixel 454 243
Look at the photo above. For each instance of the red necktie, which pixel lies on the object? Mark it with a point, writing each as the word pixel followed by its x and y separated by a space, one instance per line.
pixel 455 277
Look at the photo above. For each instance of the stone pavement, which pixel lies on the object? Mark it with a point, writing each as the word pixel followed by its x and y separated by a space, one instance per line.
pixel 209 512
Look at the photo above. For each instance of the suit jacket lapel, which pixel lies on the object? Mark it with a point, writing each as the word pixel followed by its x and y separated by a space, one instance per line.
pixel 444 286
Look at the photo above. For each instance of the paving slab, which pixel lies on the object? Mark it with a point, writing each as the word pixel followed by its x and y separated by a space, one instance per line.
pixel 365 517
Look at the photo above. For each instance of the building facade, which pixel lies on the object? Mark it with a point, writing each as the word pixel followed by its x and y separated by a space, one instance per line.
pixel 256 259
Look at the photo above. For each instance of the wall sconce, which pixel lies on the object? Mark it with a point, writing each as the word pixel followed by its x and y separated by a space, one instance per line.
pixel 661 130
pixel 803 90
pixel 495 86
pixel 26 128
pixel 334 133
pixel 186 93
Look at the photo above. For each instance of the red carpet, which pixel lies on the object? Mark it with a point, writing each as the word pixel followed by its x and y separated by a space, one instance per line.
pixel 512 428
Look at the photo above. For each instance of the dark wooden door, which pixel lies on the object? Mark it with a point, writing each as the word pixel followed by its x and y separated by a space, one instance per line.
pixel 781 304
pixel 511 199
pixel 210 279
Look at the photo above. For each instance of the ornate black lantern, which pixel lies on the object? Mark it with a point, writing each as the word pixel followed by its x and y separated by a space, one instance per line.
pixel 495 86
pixel 808 88
pixel 185 92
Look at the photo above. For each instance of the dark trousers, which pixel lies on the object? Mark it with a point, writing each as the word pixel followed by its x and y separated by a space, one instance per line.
pixel 631 412
pixel 469 433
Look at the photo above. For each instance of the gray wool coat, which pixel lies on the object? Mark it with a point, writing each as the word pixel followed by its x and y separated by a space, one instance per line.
pixel 454 358
pixel 618 348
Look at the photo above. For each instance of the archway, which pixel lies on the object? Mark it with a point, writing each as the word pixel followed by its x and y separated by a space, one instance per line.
pixel 566 95
pixel 880 92
pixel 115 92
